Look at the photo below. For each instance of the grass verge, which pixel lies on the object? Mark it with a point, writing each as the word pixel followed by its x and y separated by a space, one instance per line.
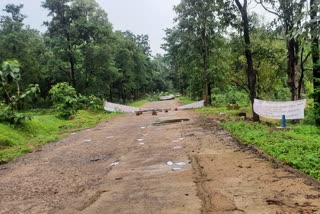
pixel 299 146
pixel 186 100
pixel 42 129
pixel 138 103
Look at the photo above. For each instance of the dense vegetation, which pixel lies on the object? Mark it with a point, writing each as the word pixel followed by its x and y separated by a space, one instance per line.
pixel 78 62
pixel 81 48
pixel 221 47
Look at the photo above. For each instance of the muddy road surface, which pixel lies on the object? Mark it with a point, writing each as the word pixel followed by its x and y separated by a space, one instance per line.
pixel 141 165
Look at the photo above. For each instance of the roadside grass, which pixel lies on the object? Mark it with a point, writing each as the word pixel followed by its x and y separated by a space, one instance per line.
pixel 185 100
pixel 299 145
pixel 139 103
pixel 44 127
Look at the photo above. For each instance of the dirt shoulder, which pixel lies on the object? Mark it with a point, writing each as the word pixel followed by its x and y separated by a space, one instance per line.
pixel 128 165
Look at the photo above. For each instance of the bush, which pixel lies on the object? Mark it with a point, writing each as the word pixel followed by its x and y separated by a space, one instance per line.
pixel 10 77
pixel 90 102
pixel 64 98
pixel 232 95
pixel 7 114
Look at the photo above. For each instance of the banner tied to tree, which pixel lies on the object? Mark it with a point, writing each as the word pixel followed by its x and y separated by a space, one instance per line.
pixel 275 110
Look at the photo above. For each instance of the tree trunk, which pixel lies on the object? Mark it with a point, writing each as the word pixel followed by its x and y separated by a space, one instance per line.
pixel 293 81
pixel 251 73
pixel 111 94
pixel 315 60
pixel 72 62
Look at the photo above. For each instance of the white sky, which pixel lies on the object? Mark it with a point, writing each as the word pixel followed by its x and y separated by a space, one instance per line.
pixel 149 17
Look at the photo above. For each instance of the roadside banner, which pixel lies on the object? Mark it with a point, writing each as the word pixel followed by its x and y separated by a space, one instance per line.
pixel 192 105
pixel 275 110
pixel 169 97
pixel 112 107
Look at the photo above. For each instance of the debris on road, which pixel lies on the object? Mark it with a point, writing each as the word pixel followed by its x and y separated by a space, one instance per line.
pixel 180 163
pixel 177 147
pixel 87 141
pixel 170 163
pixel 110 137
pixel 114 164
pixel 165 120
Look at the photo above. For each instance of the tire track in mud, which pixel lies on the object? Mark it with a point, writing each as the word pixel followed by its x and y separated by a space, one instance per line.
pixel 200 179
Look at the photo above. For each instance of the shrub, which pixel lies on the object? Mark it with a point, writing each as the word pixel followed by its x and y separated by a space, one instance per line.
pixel 8 114
pixel 64 98
pixel 90 102
pixel 9 83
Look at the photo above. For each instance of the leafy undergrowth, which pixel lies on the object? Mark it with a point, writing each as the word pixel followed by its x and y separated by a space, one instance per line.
pixel 42 129
pixel 186 100
pixel 138 103
pixel 299 146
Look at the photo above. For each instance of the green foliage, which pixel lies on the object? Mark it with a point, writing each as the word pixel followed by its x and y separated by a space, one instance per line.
pixel 44 128
pixel 230 95
pixel 139 103
pixel 153 97
pixel 7 114
pixel 64 98
pixel 90 102
pixel 9 81
pixel 299 146
pixel 186 100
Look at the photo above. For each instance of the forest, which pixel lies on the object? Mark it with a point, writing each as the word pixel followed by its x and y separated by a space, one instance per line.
pixel 217 50
pixel 221 51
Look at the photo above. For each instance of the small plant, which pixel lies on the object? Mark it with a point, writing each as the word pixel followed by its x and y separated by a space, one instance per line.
pixel 64 98
pixel 9 82
pixel 90 102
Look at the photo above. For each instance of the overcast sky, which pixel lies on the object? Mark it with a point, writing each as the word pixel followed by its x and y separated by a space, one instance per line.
pixel 149 17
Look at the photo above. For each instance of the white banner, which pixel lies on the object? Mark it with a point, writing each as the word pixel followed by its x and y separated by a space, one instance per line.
pixel 275 110
pixel 192 105
pixel 112 107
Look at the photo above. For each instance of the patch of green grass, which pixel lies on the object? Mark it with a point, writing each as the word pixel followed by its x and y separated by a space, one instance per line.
pixel 42 129
pixel 186 100
pixel 138 103
pixel 299 146
pixel 216 111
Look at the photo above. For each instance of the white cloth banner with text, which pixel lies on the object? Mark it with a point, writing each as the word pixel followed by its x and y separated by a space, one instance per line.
pixel 275 110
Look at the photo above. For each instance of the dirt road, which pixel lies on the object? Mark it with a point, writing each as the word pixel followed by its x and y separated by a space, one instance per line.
pixel 130 166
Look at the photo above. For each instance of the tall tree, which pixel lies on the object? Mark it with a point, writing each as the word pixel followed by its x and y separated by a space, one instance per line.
pixel 314 7
pixel 251 72
pixel 75 26
pixel 290 16
pixel 199 21
pixel 60 29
